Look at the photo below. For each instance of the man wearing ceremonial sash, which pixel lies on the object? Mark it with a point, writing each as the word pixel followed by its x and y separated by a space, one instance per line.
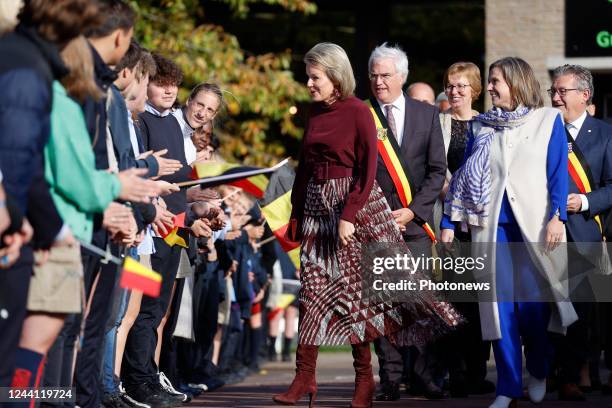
pixel 590 196
pixel 411 171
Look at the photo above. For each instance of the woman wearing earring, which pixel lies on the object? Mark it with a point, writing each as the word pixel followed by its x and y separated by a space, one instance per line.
pixel 337 210
pixel 512 188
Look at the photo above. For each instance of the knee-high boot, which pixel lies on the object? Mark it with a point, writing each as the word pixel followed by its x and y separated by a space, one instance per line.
pixel 304 381
pixel 364 379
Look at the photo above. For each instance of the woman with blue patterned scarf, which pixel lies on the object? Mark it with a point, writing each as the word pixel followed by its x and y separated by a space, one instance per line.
pixel 512 188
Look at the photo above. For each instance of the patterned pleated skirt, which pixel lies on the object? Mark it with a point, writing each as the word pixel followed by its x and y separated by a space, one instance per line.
pixel 332 308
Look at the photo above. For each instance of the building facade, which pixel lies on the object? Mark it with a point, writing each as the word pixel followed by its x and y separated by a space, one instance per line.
pixel 549 33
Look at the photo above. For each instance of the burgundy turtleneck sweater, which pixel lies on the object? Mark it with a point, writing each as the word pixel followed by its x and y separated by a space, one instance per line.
pixel 343 134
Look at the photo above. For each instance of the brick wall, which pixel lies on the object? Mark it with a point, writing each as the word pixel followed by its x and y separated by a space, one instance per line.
pixel 530 29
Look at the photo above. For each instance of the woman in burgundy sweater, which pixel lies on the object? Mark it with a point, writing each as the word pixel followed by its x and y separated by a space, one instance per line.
pixel 337 210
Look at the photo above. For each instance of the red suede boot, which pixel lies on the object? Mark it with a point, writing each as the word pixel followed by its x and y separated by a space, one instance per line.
pixel 364 380
pixel 304 381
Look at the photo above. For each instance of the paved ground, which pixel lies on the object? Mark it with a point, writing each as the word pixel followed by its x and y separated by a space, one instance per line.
pixel 335 379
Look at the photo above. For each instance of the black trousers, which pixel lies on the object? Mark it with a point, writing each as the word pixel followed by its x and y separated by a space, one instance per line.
pixel 168 359
pixel 58 366
pixel 231 351
pixel 606 318
pixel 194 363
pixel 466 353
pixel 89 359
pixel 138 360
pixel 573 348
pixel 425 364
pixel 14 285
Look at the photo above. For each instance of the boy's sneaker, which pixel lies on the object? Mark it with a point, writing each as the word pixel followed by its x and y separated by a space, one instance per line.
pixel 198 386
pixel 167 386
pixel 150 395
pixel 186 389
pixel 113 401
pixel 129 401
pixel 214 383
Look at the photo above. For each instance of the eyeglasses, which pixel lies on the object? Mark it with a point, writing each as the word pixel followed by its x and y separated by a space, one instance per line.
pixel 561 91
pixel 460 87
pixel 383 77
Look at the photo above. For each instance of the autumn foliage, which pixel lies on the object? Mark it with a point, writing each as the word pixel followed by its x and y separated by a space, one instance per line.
pixel 260 89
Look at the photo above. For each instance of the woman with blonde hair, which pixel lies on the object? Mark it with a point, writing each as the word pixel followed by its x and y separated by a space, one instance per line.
pixel 468 354
pixel 512 188
pixel 337 210
pixel 462 86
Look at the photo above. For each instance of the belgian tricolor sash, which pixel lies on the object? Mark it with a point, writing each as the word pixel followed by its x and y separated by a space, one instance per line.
pixel 580 172
pixel 388 150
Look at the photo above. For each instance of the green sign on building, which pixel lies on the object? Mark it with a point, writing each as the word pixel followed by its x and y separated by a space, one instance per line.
pixel 588 28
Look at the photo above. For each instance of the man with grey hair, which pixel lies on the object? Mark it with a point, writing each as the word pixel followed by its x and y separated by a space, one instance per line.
pixel 411 132
pixel 590 140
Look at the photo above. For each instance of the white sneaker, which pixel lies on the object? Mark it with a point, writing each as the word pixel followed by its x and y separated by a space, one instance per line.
pixel 165 382
pixel 501 402
pixel 536 389
pixel 199 386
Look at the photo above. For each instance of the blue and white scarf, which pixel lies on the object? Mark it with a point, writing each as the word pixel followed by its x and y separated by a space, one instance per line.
pixel 469 193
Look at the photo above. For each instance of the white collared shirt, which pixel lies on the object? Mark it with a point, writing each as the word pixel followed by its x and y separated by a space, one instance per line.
pixel 133 137
pixel 149 108
pixel 146 246
pixel 399 114
pixel 573 129
pixel 190 149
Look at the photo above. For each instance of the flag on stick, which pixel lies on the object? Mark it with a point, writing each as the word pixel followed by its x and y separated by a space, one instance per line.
pixel 178 235
pixel 276 208
pixel 139 277
pixel 277 214
pixel 254 180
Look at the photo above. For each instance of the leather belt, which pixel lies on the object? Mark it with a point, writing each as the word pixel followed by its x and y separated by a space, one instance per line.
pixel 326 171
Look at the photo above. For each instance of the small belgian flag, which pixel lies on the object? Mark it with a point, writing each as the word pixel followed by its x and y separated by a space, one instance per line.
pixel 178 235
pixel 138 277
pixel 255 185
pixel 276 208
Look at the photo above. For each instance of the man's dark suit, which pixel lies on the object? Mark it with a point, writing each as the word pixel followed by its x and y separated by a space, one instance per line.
pixel 595 142
pixel 422 150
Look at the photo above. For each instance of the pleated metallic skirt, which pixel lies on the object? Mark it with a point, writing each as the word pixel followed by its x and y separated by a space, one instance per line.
pixel 332 308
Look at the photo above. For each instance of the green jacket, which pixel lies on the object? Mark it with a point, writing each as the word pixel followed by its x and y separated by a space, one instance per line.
pixel 78 189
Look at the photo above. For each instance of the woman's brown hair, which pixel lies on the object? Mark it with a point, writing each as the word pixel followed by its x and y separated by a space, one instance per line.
pixel 80 82
pixel 524 87
pixel 59 21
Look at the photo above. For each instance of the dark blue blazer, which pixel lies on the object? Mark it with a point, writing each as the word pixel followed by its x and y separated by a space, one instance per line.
pixel 595 142
pixel 28 66
pixel 118 120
